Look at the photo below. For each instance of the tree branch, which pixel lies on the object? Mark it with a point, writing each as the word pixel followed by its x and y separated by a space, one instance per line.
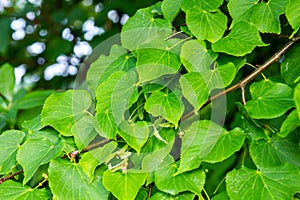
pixel 250 77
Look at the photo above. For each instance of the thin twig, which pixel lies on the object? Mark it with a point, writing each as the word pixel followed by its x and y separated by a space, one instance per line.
pixel 250 77
pixel 72 154
pixel 10 176
pixel 243 95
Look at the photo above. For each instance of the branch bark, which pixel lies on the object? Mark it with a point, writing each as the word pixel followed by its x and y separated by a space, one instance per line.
pixel 250 77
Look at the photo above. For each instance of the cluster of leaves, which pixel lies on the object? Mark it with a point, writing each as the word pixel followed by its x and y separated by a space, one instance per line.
pixel 144 129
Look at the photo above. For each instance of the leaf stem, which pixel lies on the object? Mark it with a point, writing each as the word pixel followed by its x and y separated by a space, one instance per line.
pixel 251 76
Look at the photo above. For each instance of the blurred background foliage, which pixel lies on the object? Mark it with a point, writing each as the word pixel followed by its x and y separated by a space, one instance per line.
pixel 46 41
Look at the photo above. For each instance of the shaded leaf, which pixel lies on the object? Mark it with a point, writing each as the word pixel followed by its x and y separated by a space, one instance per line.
pixel 289 124
pixel 269 99
pixel 68 181
pixel 289 67
pixel 297 99
pixel 33 99
pixel 275 151
pixel 164 196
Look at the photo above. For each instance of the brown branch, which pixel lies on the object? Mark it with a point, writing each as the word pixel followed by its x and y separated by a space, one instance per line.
pixel 2 180
pixel 72 154
pixel 250 77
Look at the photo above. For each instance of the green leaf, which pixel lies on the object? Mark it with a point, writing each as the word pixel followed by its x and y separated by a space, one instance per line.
pixel 203 4
pixel 266 15
pixel 280 182
pixel 114 96
pixel 189 181
pixel 228 143
pixel 171 8
pixel 289 124
pixel 269 99
pixel 241 9
pixel 9 145
pixel 292 13
pixel 238 62
pixel 91 159
pixel 221 196
pixel 169 106
pixel 289 67
pixel 155 150
pixel 196 57
pixel 275 151
pixel 241 40
pixel 39 149
pixel 164 59
pixel 134 134
pixel 104 66
pixel 14 190
pixel 143 27
pixel 62 110
pixel 84 131
pixel 5 33
pixel 206 25
pixel 33 99
pixel 164 196
pixel 68 181
pixel 7 82
pixel 197 142
pixel 123 186
pixel 34 124
pixel 194 89
pixel 297 98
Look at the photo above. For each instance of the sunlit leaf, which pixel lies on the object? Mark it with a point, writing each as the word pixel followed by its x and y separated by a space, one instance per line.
pixel 7 82
pixel 280 182
pixel 9 145
pixel 203 4
pixel 38 150
pixel 68 181
pixel 124 186
pixel 206 25
pixel 143 27
pixel 196 57
pixel 104 66
pixel 13 190
pixel 62 110
pixel 135 134
pixel 189 181
pixel 169 106
pixel 171 8
pixel 241 40
pixel 289 67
